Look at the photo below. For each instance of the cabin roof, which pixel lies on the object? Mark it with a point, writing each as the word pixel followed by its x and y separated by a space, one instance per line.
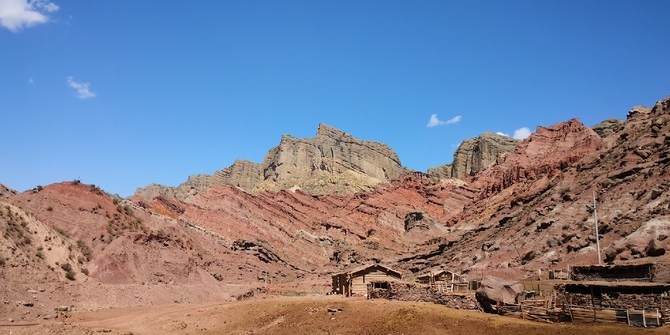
pixel 437 273
pixel 365 267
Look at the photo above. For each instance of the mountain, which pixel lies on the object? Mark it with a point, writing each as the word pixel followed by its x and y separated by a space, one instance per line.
pixel 475 155
pixel 332 162
pixel 223 236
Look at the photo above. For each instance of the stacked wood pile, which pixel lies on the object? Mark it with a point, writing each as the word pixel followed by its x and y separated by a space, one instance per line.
pixel 536 310
pixel 416 292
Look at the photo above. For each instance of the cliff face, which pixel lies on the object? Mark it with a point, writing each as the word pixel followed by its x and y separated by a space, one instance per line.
pixel 332 162
pixel 475 155
pixel 303 162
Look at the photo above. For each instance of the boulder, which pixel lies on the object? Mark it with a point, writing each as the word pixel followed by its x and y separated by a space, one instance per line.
pixel 494 290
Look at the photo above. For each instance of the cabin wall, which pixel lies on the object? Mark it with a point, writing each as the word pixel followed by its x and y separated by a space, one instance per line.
pixel 361 279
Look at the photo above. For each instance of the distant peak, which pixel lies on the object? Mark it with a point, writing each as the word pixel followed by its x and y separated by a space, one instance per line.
pixel 325 130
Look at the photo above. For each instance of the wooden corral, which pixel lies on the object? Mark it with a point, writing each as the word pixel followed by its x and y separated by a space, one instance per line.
pixel 354 282
pixel 444 281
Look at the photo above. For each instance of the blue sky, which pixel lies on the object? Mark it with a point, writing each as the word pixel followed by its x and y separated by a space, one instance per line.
pixel 124 93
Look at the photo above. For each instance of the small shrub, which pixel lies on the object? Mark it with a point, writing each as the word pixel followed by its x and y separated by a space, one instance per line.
pixel 85 250
pixel 39 254
pixel 2 261
pixel 84 271
pixel 76 182
pixel 66 267
pixel 62 232
pixel 69 275
pixel 49 209
pixel 128 210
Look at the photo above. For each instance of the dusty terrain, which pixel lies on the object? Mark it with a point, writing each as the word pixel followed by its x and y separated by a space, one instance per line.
pixel 307 315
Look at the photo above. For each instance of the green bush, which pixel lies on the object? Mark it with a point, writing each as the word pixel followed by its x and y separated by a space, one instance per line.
pixel 69 275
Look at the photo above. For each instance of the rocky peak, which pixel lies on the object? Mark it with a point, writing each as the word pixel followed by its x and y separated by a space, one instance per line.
pixel 331 152
pixel 326 131
pixel 475 155
pixel 333 161
pixel 638 112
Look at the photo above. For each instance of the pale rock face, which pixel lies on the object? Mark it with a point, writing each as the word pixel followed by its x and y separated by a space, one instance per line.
pixel 243 174
pixel 442 171
pixel 331 152
pixel 332 162
pixel 475 155
pixel 608 127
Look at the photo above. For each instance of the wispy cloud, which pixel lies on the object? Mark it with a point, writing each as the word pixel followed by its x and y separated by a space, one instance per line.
pixel 435 121
pixel 83 90
pixel 502 134
pixel 31 81
pixel 521 133
pixel 18 14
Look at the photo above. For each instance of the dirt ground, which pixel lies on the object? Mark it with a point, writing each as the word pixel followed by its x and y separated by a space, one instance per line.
pixel 306 315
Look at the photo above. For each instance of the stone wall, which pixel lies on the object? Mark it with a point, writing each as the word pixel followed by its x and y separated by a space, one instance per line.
pixel 415 292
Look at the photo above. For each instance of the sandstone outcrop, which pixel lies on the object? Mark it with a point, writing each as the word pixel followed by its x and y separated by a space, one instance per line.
pixel 608 127
pixel 475 155
pixel 332 162
pixel 332 152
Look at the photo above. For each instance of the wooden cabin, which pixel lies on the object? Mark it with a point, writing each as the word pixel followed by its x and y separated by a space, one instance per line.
pixel 354 282
pixel 444 281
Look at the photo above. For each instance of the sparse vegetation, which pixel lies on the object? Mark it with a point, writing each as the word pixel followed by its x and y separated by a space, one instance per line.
pixel 66 267
pixel 62 232
pixel 84 271
pixel 96 189
pixel 76 182
pixel 69 274
pixel 49 209
pixel 85 250
pixel 2 261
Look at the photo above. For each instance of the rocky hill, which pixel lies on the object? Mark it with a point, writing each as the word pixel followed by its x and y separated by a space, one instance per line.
pixel 209 239
pixel 332 162
pixel 475 155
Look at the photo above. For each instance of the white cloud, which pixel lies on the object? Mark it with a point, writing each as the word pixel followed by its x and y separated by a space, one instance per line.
pixel 434 121
pixel 18 14
pixel 31 81
pixel 502 134
pixel 521 133
pixel 83 90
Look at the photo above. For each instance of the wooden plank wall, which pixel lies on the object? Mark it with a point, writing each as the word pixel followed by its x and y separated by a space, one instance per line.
pixel 359 283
